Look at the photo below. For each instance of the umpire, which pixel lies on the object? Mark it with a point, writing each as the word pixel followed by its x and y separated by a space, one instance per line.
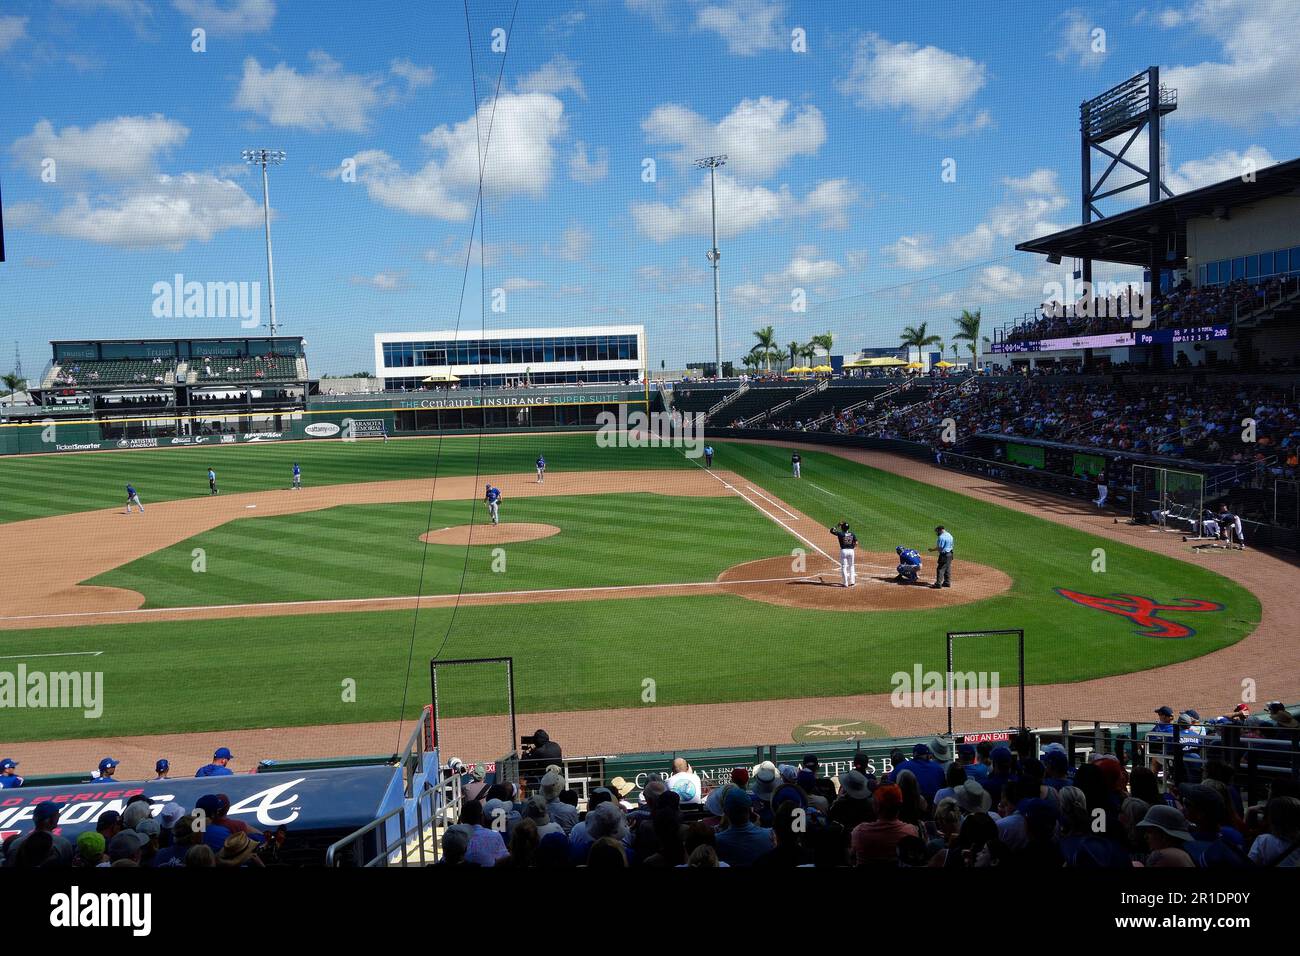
pixel 943 544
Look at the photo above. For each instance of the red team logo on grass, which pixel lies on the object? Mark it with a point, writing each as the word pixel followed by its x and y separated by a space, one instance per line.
pixel 1142 610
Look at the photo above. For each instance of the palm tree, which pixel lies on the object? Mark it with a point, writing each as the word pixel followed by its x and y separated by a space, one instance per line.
pixel 968 330
pixel 824 341
pixel 795 350
pixel 15 383
pixel 779 356
pixel 766 345
pixel 809 351
pixel 918 338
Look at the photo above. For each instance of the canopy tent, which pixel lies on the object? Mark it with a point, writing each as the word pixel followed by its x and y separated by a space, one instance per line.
pixel 875 363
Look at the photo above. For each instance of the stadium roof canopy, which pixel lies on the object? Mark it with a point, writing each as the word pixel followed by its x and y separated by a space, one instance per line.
pixel 1132 236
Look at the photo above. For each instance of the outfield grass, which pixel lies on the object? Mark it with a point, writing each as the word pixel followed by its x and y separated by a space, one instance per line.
pixel 231 674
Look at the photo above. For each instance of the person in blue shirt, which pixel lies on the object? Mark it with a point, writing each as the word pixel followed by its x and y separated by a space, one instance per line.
pixel 297 477
pixel 541 469
pixel 212 482
pixel 8 778
pixel 220 757
pixel 107 767
pixel 909 564
pixel 493 498
pixel 929 774
pixel 708 456
pixel 943 572
pixel 162 768
pixel 132 498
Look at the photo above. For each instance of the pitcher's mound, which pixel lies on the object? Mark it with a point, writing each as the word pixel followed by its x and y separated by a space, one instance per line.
pixel 488 534
pixel 772 581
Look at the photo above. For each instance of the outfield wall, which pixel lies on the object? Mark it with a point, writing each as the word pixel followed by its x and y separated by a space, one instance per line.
pixel 446 412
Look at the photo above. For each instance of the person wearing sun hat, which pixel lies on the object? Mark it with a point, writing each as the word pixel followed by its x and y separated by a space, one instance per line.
pixel 238 850
pixel 1165 830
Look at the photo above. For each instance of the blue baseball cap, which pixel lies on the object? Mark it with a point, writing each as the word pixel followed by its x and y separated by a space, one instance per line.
pixel 161 765
pixel 46 810
pixel 7 763
pixel 1165 711
pixel 922 750
pixel 108 763
pixel 223 753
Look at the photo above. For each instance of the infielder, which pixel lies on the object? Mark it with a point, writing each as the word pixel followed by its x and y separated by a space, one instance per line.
pixel 297 477
pixel 541 469
pixel 493 498
pixel 212 482
pixel 132 498
pixel 909 564
pixel 795 461
pixel 848 546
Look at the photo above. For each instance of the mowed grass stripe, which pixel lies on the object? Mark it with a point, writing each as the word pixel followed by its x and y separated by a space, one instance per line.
pixel 361 551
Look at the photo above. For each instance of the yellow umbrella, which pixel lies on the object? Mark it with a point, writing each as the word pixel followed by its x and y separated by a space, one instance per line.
pixel 944 364
pixel 822 368
pixel 799 370
pixel 915 365
pixel 875 363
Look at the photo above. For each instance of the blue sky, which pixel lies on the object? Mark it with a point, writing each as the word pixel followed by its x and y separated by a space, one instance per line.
pixel 834 184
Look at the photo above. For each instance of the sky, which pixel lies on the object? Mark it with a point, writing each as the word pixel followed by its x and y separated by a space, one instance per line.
pixel 882 159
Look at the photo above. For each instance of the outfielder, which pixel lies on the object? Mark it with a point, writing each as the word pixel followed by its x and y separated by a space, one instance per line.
pixel 848 546
pixel 493 498
pixel 132 498
pixel 541 469
pixel 909 564
pixel 795 461
pixel 297 477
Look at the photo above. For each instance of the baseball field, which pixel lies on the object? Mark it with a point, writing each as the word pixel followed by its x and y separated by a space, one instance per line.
pixel 254 608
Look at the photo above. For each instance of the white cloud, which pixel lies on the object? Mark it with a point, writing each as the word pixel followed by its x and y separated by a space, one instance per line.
pixel 555 76
pixel 912 253
pixel 929 82
pixel 742 208
pixel 748 26
pixel 129 9
pixel 1077 42
pixel 326 98
pixel 521 152
pixel 588 170
pixel 1220 166
pixel 520 284
pixel 382 281
pixel 992 285
pixel 453 252
pixel 166 212
pixel 424 193
pixel 758 137
pixel 415 76
pixel 1253 81
pixel 575 244
pixel 120 148
pixel 231 18
pixel 1023 214
pixel 12 29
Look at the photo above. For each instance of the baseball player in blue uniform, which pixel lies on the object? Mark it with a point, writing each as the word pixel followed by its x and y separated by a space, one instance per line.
pixel 9 778
pixel 909 564
pixel 541 469
pixel 795 464
pixel 848 548
pixel 212 482
pixel 493 498
pixel 132 498
pixel 220 757
pixel 297 477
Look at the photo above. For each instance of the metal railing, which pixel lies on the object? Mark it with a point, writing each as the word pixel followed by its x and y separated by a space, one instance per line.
pixel 731 397
pixel 408 835
pixel 818 386
pixel 887 393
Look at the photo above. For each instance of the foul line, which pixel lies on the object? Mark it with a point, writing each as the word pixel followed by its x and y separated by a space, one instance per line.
pixel 16 657
pixel 766 514
pixel 473 595
pixel 774 504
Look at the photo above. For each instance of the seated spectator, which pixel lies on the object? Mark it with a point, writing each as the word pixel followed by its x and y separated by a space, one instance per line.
pixel 789 850
pixel 1280 845
pixel 853 805
pixel 1166 834
pixel 877 841
pixel 455 845
pixel 486 846
pixel 560 811
pixel 607 853
pixel 741 841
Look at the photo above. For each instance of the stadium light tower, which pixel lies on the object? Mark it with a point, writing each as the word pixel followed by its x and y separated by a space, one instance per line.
pixel 265 158
pixel 711 163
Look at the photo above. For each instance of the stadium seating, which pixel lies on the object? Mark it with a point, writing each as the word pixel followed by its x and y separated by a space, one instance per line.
pixel 112 373
pixel 244 369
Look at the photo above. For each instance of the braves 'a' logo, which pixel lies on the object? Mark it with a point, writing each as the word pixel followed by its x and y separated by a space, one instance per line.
pixel 1142 610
